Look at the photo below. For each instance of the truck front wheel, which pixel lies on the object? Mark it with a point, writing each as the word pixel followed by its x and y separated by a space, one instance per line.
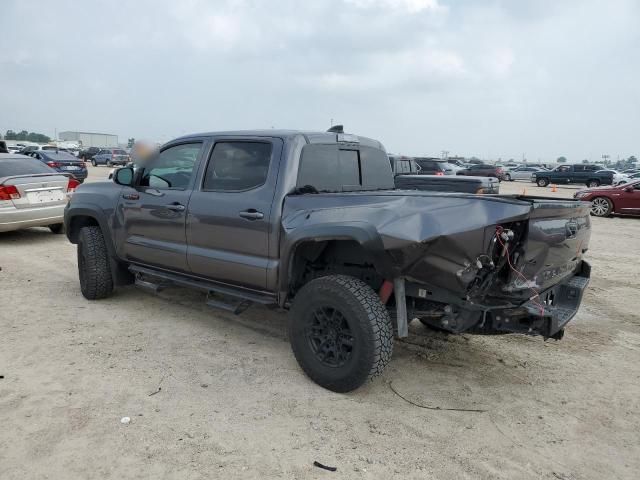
pixel 542 182
pixel 340 332
pixel 93 264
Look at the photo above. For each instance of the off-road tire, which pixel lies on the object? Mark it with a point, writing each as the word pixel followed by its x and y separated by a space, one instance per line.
pixel 93 264
pixel 542 182
pixel 593 183
pixel 368 321
pixel 601 207
pixel 56 228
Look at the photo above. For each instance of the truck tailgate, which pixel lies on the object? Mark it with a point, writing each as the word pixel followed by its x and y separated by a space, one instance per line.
pixel 558 235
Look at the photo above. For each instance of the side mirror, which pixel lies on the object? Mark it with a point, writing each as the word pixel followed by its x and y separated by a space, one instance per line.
pixel 123 176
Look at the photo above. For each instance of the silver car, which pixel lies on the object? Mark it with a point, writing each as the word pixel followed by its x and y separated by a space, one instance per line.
pixel 32 194
pixel 521 173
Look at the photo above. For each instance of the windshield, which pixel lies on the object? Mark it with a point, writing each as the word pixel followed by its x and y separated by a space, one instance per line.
pixel 19 166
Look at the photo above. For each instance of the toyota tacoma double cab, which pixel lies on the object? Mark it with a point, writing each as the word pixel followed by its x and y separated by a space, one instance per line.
pixel 310 222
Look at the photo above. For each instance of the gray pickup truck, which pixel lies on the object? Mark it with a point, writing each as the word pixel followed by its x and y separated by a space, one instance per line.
pixel 310 222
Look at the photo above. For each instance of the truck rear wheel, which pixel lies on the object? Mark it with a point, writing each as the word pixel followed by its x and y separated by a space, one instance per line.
pixel 93 264
pixel 340 332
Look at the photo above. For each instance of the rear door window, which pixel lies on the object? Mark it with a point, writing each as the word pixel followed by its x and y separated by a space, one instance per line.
pixel 237 166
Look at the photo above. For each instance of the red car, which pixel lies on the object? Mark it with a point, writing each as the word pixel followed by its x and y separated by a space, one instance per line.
pixel 623 199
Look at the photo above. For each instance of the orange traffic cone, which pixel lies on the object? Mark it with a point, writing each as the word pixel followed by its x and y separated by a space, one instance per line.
pixel 554 188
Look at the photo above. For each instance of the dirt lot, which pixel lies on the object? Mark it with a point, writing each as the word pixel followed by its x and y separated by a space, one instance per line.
pixel 211 395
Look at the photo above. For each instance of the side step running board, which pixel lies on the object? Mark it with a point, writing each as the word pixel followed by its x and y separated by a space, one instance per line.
pixel 242 298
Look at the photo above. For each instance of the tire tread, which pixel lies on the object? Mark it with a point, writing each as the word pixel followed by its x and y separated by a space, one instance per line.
pixel 98 281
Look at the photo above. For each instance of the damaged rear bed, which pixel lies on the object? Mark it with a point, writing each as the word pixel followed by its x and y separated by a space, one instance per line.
pixel 466 263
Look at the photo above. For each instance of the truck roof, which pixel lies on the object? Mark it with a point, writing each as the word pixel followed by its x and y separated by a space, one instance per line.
pixel 310 136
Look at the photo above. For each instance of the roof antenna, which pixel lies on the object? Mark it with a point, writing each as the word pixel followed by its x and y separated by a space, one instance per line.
pixel 336 129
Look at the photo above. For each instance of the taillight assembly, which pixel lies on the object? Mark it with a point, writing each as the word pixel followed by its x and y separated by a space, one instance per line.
pixel 72 185
pixel 53 164
pixel 9 192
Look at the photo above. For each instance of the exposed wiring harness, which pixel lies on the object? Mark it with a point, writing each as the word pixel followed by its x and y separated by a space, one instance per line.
pixel 503 238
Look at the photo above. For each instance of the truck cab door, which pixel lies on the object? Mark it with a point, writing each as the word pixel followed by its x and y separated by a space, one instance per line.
pixel 152 213
pixel 229 224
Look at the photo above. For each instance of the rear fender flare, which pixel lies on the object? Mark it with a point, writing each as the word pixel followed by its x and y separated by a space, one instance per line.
pixel 365 235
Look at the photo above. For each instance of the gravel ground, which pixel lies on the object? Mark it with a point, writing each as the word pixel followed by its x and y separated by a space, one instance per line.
pixel 211 395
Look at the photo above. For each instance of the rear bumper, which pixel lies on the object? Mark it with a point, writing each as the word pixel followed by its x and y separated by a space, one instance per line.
pixel 546 315
pixel 19 218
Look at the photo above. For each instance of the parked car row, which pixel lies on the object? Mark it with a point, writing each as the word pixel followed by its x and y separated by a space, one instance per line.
pixel 104 156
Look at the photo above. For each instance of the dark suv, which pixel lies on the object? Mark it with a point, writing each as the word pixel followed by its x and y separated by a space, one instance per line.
pixel 434 166
pixel 88 153
pixel 483 170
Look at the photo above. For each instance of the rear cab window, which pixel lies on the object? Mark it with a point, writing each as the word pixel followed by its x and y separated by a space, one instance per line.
pixel 338 168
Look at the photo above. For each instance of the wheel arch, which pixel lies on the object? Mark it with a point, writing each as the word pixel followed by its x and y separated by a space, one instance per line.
pixel 318 238
pixel 80 217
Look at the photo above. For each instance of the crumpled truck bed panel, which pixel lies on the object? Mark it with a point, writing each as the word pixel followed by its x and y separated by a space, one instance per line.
pixel 431 238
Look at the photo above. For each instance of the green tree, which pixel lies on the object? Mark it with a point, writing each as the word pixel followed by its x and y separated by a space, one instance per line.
pixel 585 161
pixel 130 142
pixel 10 135
pixel 632 159
pixel 562 159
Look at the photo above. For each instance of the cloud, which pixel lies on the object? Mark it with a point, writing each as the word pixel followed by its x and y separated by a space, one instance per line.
pixel 485 78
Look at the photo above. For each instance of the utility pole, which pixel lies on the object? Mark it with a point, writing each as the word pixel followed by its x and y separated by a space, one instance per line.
pixel 605 157
pixel 444 154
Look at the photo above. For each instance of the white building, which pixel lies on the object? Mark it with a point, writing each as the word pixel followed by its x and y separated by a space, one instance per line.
pixel 89 139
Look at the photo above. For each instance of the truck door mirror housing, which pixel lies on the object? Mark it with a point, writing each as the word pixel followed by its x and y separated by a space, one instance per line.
pixel 123 176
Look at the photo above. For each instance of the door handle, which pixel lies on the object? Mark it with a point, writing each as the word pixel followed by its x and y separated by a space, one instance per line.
pixel 252 214
pixel 131 196
pixel 176 207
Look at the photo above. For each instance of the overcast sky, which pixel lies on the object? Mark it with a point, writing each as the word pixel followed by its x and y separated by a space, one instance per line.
pixel 485 78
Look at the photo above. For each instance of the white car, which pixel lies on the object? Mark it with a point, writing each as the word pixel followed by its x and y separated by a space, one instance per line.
pixel 618 178
pixel 521 173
